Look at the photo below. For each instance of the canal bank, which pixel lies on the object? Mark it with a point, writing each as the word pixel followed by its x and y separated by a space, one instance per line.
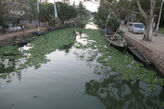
pixel 75 68
pixel 154 50
pixel 22 37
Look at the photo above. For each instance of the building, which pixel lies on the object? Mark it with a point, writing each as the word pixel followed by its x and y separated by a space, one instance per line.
pixel 19 12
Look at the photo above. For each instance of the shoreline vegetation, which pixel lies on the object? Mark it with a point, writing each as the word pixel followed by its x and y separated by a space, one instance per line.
pixel 123 63
pixel 23 52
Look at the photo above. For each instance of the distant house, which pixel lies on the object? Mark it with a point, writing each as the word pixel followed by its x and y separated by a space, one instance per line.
pixel 15 7
pixel 18 13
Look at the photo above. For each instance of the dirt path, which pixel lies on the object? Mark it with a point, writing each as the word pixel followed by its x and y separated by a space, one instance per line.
pixel 153 50
pixel 157 41
pixel 19 33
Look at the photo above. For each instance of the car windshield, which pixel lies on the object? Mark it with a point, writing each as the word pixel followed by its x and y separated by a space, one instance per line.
pixel 139 25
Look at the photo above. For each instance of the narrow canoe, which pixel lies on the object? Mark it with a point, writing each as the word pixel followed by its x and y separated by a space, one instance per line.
pixel 138 54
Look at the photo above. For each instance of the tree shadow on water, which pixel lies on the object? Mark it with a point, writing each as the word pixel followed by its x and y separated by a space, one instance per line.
pixel 116 93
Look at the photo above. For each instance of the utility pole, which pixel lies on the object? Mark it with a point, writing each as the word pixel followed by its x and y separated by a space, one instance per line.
pixel 38 15
pixel 159 17
pixel 55 10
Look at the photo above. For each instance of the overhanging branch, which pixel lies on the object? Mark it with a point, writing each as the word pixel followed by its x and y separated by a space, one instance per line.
pixel 143 13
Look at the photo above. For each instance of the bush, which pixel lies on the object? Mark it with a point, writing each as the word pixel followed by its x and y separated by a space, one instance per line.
pixel 80 25
pixel 52 22
pixel 113 23
pixel 65 11
pixel 82 12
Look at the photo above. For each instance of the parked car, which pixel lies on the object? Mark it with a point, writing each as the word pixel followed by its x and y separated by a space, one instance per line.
pixel 13 28
pixel 136 27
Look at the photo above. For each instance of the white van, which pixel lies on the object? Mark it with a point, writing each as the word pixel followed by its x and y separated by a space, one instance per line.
pixel 136 27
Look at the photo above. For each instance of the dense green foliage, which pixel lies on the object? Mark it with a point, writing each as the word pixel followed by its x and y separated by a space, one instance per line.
pixel 102 14
pixel 65 11
pixel 36 55
pixel 81 11
pixel 46 9
pixel 123 8
pixel 2 12
pixel 113 23
pixel 107 18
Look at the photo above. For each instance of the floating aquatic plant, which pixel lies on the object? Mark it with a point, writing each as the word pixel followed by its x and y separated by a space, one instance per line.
pixel 4 75
pixel 122 63
pixel 38 49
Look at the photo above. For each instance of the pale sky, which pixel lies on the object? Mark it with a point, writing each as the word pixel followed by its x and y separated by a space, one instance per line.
pixel 89 5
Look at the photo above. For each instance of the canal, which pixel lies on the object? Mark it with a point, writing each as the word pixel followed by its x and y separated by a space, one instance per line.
pixel 74 68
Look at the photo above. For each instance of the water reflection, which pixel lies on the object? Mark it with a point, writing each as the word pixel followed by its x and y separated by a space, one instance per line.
pixel 66 48
pixel 116 93
pixel 15 59
pixel 91 25
pixel 7 66
pixel 109 88
pixel 81 38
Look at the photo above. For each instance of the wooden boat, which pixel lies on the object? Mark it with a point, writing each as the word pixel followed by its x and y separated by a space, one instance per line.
pixel 116 40
pixel 138 54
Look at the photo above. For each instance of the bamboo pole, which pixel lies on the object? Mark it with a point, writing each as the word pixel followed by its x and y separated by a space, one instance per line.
pixel 113 36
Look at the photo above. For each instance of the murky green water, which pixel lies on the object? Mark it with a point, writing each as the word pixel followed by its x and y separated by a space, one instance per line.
pixel 55 72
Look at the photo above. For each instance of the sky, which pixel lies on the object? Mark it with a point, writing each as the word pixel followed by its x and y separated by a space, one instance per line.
pixel 89 5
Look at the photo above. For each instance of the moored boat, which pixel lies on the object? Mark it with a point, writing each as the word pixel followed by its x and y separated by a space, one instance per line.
pixel 116 40
pixel 138 54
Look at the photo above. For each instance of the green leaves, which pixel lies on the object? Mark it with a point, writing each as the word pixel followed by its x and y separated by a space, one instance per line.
pixel 14 58
pixel 2 12
pixel 46 9
pixel 4 75
pixel 81 11
pixel 122 63
pixel 65 11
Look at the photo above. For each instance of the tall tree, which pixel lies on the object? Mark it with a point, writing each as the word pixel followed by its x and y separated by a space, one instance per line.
pixel 2 12
pixel 159 17
pixel 65 11
pixel 149 19
pixel 81 10
pixel 146 9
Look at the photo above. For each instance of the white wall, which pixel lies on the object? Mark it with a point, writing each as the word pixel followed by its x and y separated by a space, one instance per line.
pixel 89 5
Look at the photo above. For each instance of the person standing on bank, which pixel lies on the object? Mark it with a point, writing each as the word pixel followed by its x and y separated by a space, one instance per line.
pixel 22 27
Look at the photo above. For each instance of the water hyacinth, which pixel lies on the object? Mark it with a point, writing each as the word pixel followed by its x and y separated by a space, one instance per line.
pixel 122 63
pixel 38 49
pixel 118 71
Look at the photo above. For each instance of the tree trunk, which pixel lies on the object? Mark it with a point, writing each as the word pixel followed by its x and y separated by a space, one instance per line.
pixel 159 17
pixel 150 21
pixel 148 31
